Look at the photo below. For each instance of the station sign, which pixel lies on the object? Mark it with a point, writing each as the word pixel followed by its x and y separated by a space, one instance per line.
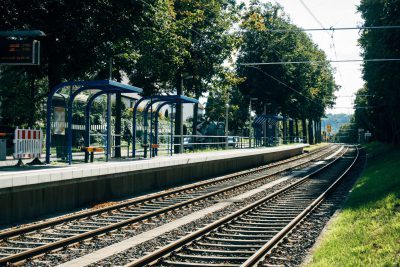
pixel 19 52
pixel 328 128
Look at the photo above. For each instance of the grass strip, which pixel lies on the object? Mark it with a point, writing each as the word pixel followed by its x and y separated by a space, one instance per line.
pixel 316 146
pixel 367 231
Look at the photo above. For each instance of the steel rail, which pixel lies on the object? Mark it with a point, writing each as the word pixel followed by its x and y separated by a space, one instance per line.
pixel 26 229
pixel 83 236
pixel 156 255
pixel 259 254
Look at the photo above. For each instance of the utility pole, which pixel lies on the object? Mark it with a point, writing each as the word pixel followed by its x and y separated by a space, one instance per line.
pixel 179 114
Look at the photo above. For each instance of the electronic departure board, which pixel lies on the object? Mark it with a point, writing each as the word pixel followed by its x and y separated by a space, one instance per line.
pixel 19 52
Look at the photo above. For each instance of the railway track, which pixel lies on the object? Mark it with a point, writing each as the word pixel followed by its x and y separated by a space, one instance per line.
pixel 26 242
pixel 244 237
pixel 294 247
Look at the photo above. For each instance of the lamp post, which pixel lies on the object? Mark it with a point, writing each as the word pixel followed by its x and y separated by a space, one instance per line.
pixel 226 125
pixel 251 99
pixel 109 137
pixel 179 117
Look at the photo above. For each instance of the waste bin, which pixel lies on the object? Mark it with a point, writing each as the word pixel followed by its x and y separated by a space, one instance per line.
pixel 3 149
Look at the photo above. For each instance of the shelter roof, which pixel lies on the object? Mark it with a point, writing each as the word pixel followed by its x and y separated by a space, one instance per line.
pixel 104 85
pixel 171 98
pixel 33 33
pixel 263 118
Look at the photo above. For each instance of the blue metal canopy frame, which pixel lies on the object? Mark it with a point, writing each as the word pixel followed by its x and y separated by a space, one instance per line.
pixel 271 121
pixel 105 86
pixel 182 100
pixel 165 99
pixel 259 120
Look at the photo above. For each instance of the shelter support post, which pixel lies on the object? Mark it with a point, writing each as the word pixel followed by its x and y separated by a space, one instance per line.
pixel 109 137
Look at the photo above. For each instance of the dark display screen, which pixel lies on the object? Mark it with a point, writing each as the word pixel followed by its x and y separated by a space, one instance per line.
pixel 19 52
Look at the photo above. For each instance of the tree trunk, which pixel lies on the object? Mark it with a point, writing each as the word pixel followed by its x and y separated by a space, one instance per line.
pixel 291 131
pixel 315 124
pixel 310 132
pixel 195 115
pixel 53 69
pixel 320 131
pixel 304 128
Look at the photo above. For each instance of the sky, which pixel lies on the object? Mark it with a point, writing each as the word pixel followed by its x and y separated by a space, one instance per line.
pixel 343 45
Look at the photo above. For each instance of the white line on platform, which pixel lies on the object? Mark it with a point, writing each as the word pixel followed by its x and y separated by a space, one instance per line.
pixel 146 236
pixel 95 169
pixel 334 154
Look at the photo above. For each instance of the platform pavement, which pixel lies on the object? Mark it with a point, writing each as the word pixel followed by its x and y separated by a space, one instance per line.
pixel 45 174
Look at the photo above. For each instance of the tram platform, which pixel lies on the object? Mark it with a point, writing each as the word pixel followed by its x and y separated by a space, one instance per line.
pixel 39 191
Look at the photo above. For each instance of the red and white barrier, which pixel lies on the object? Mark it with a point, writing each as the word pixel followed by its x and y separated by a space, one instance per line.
pixel 27 143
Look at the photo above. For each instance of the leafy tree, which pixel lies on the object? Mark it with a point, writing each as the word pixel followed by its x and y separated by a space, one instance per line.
pixel 298 90
pixel 21 96
pixel 346 134
pixel 159 48
pixel 201 40
pixel 362 114
pixel 80 36
pixel 381 106
pixel 80 39
pixel 223 91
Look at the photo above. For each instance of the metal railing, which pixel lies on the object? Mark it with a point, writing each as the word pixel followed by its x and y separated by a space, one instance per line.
pixel 198 143
pixel 167 144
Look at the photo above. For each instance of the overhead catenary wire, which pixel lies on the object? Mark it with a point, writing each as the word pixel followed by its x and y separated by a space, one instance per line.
pixel 333 46
pixel 353 95
pixel 357 107
pixel 384 27
pixel 320 61
pixel 312 14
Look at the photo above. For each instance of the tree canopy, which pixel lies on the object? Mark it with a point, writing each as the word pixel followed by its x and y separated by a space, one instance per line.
pixel 377 104
pixel 297 90
pixel 161 45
